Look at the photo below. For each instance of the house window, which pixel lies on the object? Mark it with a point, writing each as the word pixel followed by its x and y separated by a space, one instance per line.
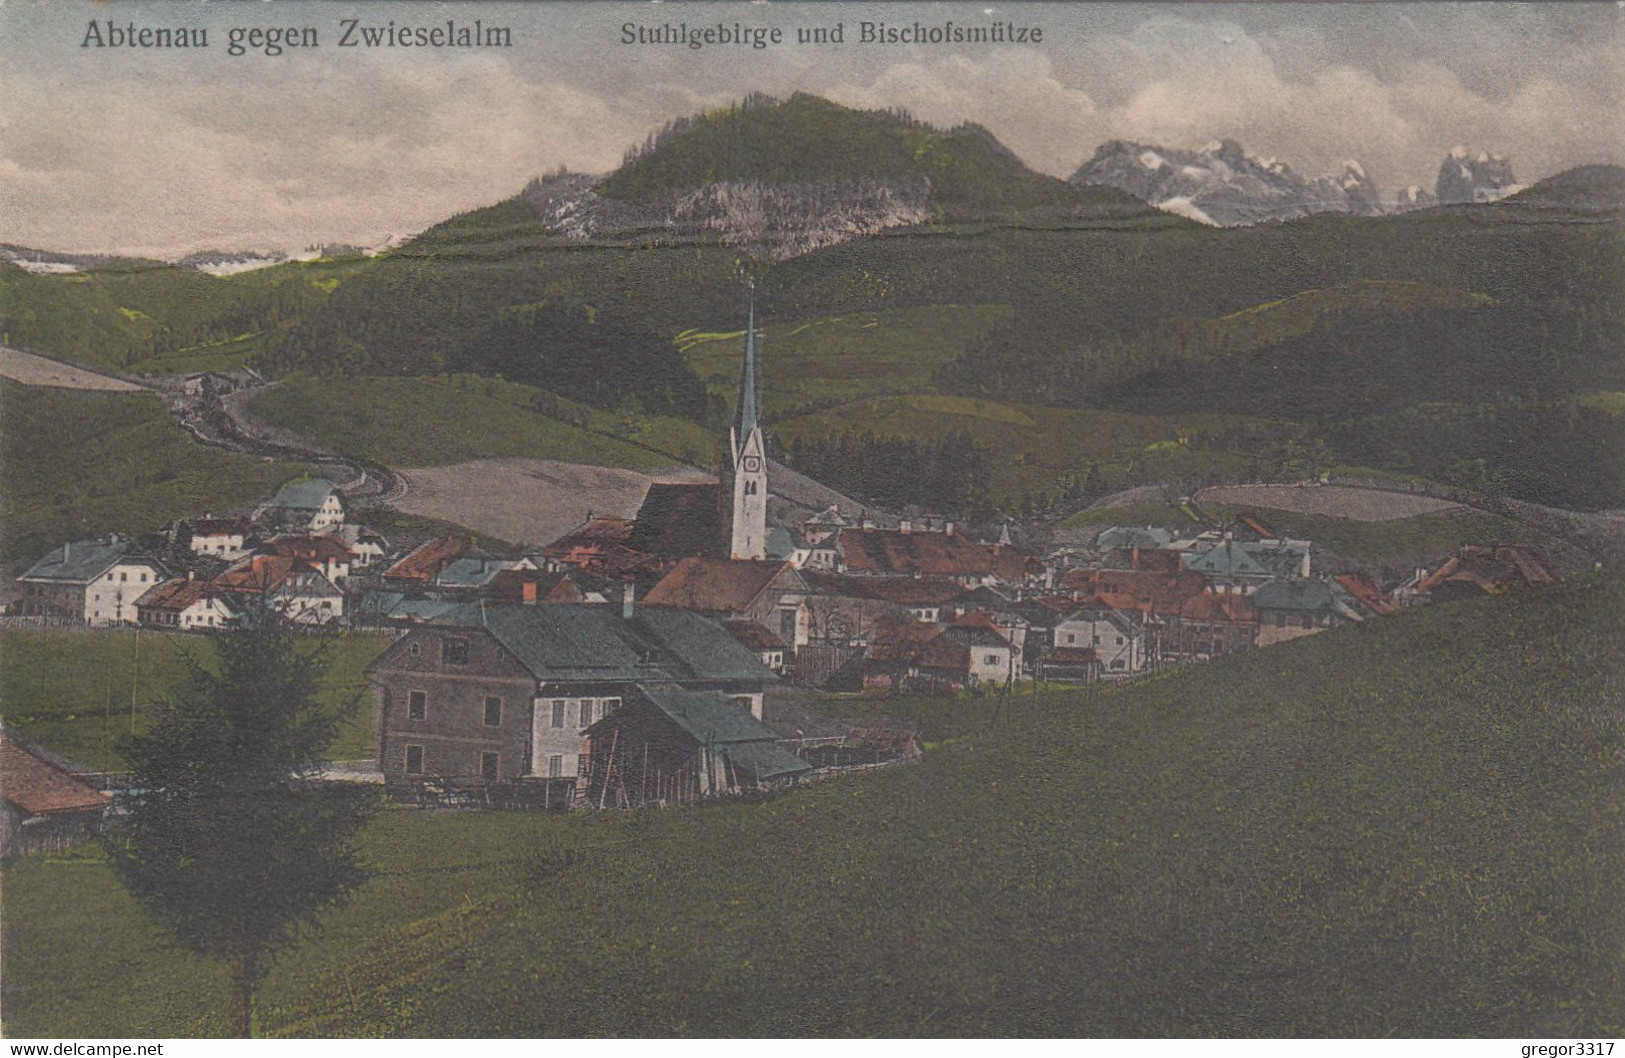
pixel 742 700
pixel 414 649
pixel 1119 640
pixel 1097 641
pixel 454 651
pixel 555 766
pixel 558 712
pixel 1071 638
pixel 123 576
pixel 1117 664
pixel 608 705
pixel 493 711
pixel 586 712
pixel 414 760
pixel 991 659
pixel 417 705
pixel 488 765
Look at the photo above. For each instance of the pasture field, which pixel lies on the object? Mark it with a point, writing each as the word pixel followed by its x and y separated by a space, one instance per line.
pixel 1036 449
pixel 836 359
pixel 1395 543
pixel 1406 827
pixel 33 370
pixel 131 468
pixel 527 501
pixel 429 421
pixel 77 691
pixel 1331 501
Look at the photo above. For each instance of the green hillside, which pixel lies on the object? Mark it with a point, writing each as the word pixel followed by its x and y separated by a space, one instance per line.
pixel 1031 450
pixel 1408 827
pixel 833 360
pixel 431 421
pixel 75 464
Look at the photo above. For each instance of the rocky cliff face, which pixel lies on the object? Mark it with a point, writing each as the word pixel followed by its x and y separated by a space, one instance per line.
pixel 1466 178
pixel 777 220
pixel 1222 184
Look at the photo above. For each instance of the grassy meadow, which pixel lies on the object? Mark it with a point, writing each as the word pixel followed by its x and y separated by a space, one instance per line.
pixel 435 420
pixel 1406 827
pixel 132 468
pixel 74 690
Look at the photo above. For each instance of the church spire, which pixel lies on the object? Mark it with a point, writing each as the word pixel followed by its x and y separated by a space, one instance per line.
pixel 747 383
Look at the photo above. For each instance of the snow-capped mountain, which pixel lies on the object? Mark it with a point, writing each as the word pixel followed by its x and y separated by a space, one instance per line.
pixel 1222 184
pixel 1464 178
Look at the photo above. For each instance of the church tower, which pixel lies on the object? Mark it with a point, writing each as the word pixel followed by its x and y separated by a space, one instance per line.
pixel 749 454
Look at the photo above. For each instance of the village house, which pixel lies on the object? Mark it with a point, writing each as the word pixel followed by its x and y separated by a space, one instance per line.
pixel 505 692
pixel 187 605
pixel 305 505
pixel 770 594
pixel 327 555
pixel 1288 609
pixel 222 538
pixel 1208 625
pixel 1474 571
pixel 96 582
pixel 42 806
pixel 1242 566
pixel 669 745
pixel 420 567
pixel 292 587
pixel 1068 665
pixel 843 609
pixel 1120 642
pixel 366 547
pixel 524 584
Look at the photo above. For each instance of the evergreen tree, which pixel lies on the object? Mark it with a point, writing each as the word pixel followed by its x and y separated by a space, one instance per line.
pixel 229 841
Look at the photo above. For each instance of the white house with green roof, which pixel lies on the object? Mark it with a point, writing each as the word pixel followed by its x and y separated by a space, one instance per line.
pixel 93 581
pixel 309 504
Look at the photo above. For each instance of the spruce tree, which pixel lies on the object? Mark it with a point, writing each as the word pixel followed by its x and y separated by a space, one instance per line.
pixel 229 840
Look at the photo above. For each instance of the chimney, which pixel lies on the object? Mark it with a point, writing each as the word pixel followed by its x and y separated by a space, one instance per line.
pixel 628 599
pixel 527 592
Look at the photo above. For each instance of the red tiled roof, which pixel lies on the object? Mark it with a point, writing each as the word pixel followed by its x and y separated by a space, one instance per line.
pixel 945 653
pixel 1491 568
pixel 892 551
pixel 754 636
pixel 39 787
pixel 425 563
pixel 721 585
pixel 1215 606
pixel 261 573
pixel 900 640
pixel 1072 656
pixel 591 537
pixel 900 591
pixel 1368 594
pixel 175 595
pixel 508 585
pixel 1138 589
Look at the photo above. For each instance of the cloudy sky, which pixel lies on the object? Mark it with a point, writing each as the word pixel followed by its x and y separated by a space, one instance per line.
pixel 162 152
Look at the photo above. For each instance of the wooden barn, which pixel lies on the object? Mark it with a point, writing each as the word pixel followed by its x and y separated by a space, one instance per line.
pixel 668 745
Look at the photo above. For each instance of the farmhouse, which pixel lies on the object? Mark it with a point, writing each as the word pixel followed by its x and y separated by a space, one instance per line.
pixel 223 538
pixel 305 504
pixel 42 806
pixel 294 588
pixel 328 555
pixel 666 744
pixel 96 582
pixel 1118 640
pixel 186 605
pixel 1288 609
pixel 498 692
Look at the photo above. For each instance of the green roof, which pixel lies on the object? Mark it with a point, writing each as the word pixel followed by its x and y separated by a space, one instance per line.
pixel 574 642
pixel 303 494
pixel 708 716
pixel 1310 596
pixel 765 760
pixel 79 562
